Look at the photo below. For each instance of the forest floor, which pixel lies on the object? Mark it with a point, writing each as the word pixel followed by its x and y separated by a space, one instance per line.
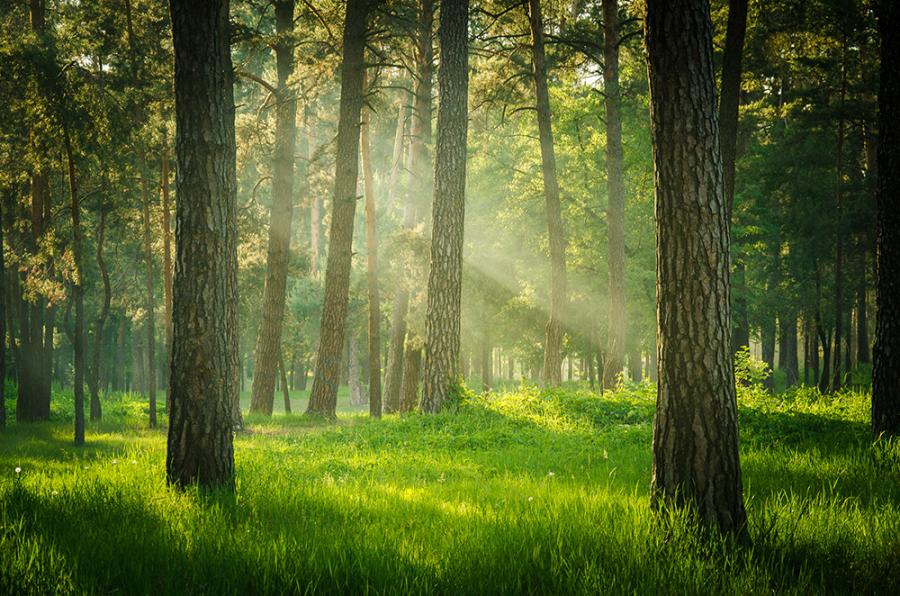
pixel 520 492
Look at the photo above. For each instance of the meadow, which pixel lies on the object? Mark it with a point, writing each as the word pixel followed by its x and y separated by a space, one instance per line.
pixel 519 491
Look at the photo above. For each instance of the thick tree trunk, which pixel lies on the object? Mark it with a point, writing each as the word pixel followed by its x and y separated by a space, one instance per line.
pixel 323 398
pixel 97 356
pixel 442 318
pixel 268 342
pixel 695 432
pixel 553 337
pixel 200 448
pixel 886 371
pixel 149 302
pixel 374 334
pixel 77 292
pixel 615 186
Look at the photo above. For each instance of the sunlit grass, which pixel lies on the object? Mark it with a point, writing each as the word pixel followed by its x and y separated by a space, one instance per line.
pixel 520 492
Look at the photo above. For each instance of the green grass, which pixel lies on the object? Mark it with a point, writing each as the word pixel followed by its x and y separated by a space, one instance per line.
pixel 524 492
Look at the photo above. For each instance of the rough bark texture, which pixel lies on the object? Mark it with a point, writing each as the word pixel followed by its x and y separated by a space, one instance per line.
pixel 200 446
pixel 167 247
pixel 374 335
pixel 553 336
pixel 285 389
pixel 615 186
pixel 442 317
pixel 77 293
pixel 886 373
pixel 268 342
pixel 323 398
pixel 695 432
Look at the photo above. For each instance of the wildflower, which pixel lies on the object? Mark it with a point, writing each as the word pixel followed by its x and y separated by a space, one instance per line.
pixel 133 462
pixel 54 493
pixel 115 461
pixel 530 499
pixel 551 474
pixel 18 470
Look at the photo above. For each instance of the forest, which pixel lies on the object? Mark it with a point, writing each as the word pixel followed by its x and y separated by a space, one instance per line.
pixel 449 296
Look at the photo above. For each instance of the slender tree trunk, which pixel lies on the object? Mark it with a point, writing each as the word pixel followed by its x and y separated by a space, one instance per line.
pixel 77 293
pixel 97 355
pixel 268 342
pixel 442 318
pixel 149 301
pixel 615 185
pixel 791 363
pixel 315 201
pixel 862 317
pixel 200 448
pixel 553 336
pixel 695 434
pixel 374 334
pixel 285 391
pixel 886 371
pixel 167 249
pixel 767 339
pixel 837 381
pixel 323 398
pixel 3 208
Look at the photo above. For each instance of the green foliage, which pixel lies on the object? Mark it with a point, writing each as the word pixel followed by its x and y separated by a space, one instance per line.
pixel 749 373
pixel 531 491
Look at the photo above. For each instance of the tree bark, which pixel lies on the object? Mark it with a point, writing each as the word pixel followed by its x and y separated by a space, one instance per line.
pixel 442 318
pixel 886 371
pixel 553 336
pixel 615 186
pixel 285 390
pixel 837 379
pixel 99 325
pixel 167 249
pixel 268 342
pixel 695 432
pixel 200 448
pixel 3 209
pixel 323 398
pixel 149 305
pixel 862 316
pixel 409 389
pixel 77 292
pixel 374 334
pixel 315 201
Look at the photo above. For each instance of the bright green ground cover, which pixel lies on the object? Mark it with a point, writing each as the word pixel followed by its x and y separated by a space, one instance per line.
pixel 516 493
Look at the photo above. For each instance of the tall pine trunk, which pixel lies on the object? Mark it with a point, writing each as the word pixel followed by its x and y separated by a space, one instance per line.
pixel 553 336
pixel 615 186
pixel 695 432
pixel 442 317
pixel 886 372
pixel 323 398
pixel 200 448
pixel 77 292
pixel 99 325
pixel 268 342
pixel 374 319
pixel 149 302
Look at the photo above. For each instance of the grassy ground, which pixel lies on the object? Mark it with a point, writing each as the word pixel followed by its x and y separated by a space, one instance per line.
pixel 520 492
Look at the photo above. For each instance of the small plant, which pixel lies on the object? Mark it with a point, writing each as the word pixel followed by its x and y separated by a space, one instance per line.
pixel 748 371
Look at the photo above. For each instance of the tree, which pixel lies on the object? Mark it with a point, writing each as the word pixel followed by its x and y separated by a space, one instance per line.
pixel 442 316
pixel 323 397
pixel 886 372
pixel 200 446
pixel 77 289
pixel 374 334
pixel 555 330
pixel 268 342
pixel 695 433
pixel 615 187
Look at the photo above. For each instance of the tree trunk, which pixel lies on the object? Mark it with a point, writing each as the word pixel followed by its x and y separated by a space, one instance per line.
pixel 695 434
pixel 615 185
pixel 148 297
pixel 285 391
pixel 409 389
pixel 442 319
pixel 862 318
pixel 268 342
pixel 353 373
pixel 167 249
pixel 791 364
pixel 374 334
pixel 323 398
pixel 77 292
pixel 837 381
pixel 315 201
pixel 99 325
pixel 200 448
pixel 886 371
pixel 767 341
pixel 553 337
pixel 487 380
pixel 3 209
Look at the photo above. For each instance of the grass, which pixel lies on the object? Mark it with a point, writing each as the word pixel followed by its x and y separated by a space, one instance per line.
pixel 521 492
